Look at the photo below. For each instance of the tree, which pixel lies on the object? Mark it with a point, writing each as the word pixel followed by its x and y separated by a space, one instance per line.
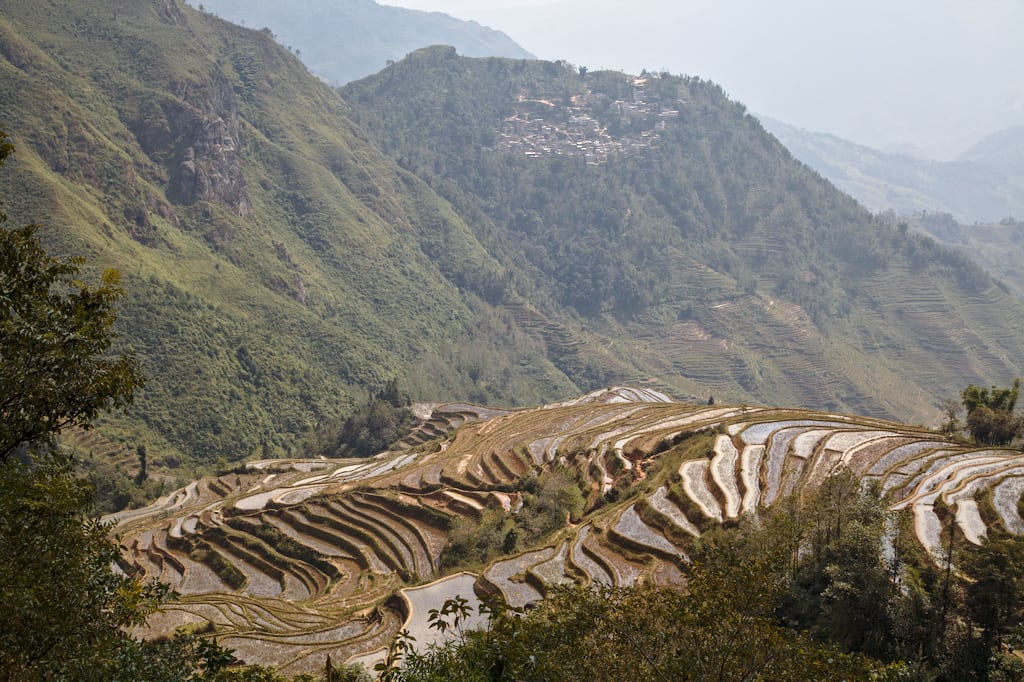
pixel 63 609
pixel 990 416
pixel 723 630
pixel 55 333
pixel 60 604
pixel 995 591
pixel 950 408
pixel 997 399
pixel 143 470
pixel 372 428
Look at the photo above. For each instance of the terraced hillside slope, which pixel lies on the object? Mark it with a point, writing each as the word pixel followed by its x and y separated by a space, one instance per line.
pixel 687 240
pixel 291 560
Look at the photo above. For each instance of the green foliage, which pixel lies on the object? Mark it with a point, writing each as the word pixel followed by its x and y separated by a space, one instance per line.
pixel 183 658
pixel 63 607
pixel 723 630
pixel 115 489
pixel 549 501
pixel 474 542
pixel 990 416
pixel 64 611
pixel 995 592
pixel 1004 399
pixel 372 428
pixel 55 332
pixel 255 673
pixel 845 574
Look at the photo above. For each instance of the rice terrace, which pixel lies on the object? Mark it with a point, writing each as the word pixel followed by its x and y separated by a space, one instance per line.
pixel 287 561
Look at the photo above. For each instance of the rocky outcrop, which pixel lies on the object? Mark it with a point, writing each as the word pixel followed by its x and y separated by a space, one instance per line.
pixel 205 123
pixel 210 169
pixel 169 12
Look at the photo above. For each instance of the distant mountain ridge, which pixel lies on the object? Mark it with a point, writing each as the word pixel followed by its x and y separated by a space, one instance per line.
pixel 985 183
pixel 343 40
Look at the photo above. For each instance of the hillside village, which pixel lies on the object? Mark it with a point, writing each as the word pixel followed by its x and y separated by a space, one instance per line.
pixel 587 125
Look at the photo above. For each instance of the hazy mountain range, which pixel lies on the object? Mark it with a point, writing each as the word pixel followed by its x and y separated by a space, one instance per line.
pixel 983 184
pixel 343 41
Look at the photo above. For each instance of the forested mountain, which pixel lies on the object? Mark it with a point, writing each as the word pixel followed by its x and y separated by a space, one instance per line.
pixel 984 184
pixel 665 217
pixel 530 231
pixel 342 40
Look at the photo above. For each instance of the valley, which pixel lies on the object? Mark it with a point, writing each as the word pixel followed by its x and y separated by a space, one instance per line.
pixel 648 357
pixel 289 247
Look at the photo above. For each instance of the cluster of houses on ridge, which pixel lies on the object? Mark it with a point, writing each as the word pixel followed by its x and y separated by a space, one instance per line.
pixel 553 127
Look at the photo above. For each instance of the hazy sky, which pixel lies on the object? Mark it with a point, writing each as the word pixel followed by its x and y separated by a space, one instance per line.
pixel 935 73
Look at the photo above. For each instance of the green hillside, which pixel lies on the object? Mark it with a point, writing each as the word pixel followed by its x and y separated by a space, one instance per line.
pixel 277 265
pixel 667 221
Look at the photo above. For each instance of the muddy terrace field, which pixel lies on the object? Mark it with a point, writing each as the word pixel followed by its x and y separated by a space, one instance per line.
pixel 287 561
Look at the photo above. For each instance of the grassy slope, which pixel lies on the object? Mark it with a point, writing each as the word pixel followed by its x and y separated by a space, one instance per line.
pixel 713 261
pixel 343 272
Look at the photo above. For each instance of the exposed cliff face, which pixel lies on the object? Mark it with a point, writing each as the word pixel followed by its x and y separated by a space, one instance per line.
pixel 210 169
pixel 204 127
pixel 169 12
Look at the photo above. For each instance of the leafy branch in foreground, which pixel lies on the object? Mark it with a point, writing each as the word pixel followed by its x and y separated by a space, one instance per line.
pixel 64 611
pixel 55 332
